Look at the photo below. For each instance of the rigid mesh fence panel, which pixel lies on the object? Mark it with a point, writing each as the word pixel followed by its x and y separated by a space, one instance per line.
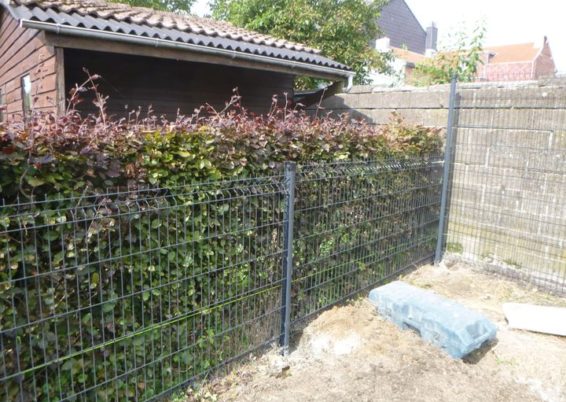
pixel 128 295
pixel 507 199
pixel 358 223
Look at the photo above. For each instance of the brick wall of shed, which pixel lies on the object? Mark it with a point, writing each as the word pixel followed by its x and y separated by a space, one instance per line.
pixel 22 52
pixel 508 197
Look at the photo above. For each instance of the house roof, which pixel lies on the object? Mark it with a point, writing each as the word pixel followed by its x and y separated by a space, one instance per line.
pixel 122 22
pixel 399 24
pixel 407 55
pixel 521 52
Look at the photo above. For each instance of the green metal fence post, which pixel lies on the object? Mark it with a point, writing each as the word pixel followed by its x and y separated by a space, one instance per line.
pixel 290 169
pixel 446 174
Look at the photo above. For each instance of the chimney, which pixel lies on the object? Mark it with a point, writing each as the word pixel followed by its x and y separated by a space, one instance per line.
pixel 431 38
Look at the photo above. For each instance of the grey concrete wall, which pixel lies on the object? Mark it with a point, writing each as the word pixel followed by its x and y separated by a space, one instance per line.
pixel 428 106
pixel 507 205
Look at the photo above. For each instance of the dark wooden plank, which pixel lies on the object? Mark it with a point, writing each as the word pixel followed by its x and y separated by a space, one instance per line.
pixel 24 52
pixel 39 101
pixel 18 42
pixel 169 85
pixel 41 85
pixel 26 56
pixel 8 29
pixel 36 71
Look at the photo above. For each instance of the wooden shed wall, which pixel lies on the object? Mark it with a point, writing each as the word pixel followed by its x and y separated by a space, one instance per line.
pixel 171 85
pixel 22 52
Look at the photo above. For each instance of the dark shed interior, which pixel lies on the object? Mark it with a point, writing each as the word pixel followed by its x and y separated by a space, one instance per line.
pixel 170 85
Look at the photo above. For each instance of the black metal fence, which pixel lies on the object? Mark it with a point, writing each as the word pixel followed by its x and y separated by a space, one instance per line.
pixel 506 180
pixel 127 295
pixel 357 224
pixel 131 295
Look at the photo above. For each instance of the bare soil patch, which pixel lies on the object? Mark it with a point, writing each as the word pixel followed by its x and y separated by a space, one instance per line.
pixel 349 353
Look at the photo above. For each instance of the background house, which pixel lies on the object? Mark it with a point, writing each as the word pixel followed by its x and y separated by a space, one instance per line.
pixel 517 62
pixel 145 57
pixel 403 36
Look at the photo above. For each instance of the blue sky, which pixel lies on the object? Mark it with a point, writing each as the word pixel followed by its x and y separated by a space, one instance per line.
pixel 506 21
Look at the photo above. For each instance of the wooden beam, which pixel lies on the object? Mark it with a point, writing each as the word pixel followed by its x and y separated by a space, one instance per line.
pixel 74 42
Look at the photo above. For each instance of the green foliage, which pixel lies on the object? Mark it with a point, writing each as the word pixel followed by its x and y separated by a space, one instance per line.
pixel 455 248
pixel 93 286
pixel 163 5
pixel 461 59
pixel 341 29
pixel 373 223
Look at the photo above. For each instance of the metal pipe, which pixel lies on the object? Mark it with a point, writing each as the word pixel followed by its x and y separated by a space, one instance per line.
pixel 165 43
pixel 446 173
pixel 350 83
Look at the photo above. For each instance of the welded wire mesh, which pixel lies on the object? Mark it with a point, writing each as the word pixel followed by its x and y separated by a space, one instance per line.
pixel 130 295
pixel 508 182
pixel 359 223
pixel 127 295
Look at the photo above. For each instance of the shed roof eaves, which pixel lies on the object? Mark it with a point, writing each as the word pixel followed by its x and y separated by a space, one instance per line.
pixel 156 41
pixel 286 56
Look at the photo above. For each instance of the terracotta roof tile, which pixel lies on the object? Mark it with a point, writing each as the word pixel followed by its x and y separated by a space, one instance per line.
pixel 407 55
pixel 521 52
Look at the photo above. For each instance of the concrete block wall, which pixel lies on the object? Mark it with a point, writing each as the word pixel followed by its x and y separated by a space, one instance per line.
pixel 508 189
pixel 507 206
pixel 428 107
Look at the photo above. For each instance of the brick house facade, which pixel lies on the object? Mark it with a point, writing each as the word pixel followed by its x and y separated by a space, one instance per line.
pixel 517 62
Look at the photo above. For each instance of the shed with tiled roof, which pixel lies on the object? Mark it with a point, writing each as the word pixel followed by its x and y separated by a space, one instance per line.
pixel 145 57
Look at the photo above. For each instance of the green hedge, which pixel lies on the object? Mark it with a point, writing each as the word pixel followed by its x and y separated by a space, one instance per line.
pixel 94 287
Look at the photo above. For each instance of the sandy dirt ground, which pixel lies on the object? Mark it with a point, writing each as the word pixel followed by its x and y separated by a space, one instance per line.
pixel 349 353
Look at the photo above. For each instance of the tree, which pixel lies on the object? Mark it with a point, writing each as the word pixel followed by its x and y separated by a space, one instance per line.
pixel 342 29
pixel 163 5
pixel 461 58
